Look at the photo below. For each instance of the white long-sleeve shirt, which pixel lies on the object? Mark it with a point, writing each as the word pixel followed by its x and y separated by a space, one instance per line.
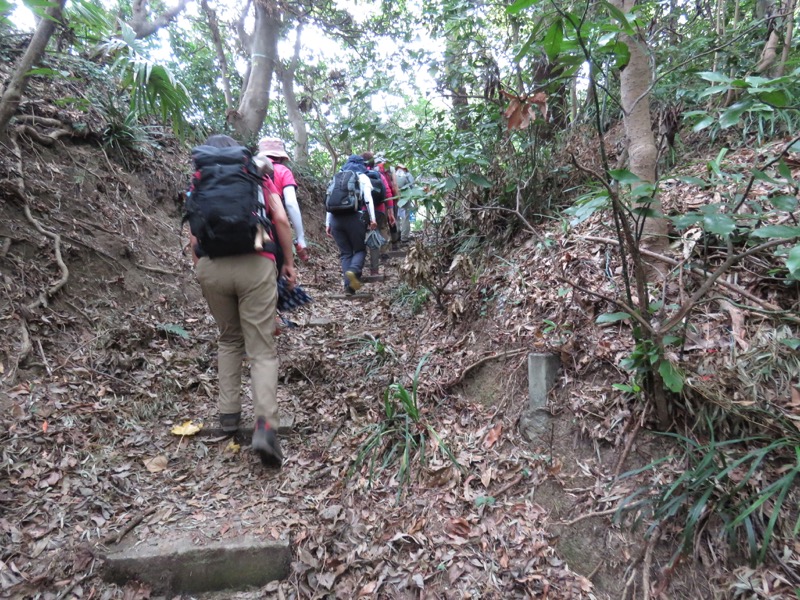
pixel 293 211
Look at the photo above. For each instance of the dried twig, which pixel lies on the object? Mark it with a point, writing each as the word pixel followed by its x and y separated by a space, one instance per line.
pixel 75 583
pixel 627 450
pixel 115 538
pixel 601 513
pixel 485 359
pixel 648 562
pixel 698 273
pixel 508 485
pixel 156 270
pixel 44 358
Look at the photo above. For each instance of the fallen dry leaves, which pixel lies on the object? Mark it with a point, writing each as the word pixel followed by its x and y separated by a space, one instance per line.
pixel 89 426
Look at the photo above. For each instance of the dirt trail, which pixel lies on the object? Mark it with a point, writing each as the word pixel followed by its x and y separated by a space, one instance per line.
pixel 81 437
pixel 126 351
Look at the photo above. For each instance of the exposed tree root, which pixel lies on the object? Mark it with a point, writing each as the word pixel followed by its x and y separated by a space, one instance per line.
pixel 19 187
pixel 25 349
pixel 44 296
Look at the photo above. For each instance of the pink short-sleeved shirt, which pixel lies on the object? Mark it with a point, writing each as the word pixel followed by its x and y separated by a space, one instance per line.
pixel 283 177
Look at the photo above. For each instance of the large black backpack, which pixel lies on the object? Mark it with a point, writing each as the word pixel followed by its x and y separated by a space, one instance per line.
pixel 226 202
pixel 378 188
pixel 344 193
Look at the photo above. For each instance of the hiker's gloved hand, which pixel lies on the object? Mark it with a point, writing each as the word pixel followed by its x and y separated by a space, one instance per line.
pixel 373 225
pixel 288 272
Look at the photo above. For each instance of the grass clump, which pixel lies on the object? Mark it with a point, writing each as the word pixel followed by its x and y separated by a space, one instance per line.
pixel 398 440
pixel 750 485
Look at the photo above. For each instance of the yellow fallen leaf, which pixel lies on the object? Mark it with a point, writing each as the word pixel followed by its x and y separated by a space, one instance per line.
pixel 156 464
pixel 188 428
pixel 232 447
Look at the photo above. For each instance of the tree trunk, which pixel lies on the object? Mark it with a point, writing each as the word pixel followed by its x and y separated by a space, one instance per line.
pixel 787 38
pixel 635 81
pixel 213 26
pixel 454 82
pixel 19 79
pixel 249 117
pixel 326 140
pixel 292 107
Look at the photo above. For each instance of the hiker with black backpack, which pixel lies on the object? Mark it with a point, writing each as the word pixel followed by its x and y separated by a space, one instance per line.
pixel 231 210
pixel 348 202
pixel 384 206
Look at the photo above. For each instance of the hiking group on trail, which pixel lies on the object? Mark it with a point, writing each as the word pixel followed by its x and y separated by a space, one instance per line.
pixel 361 202
pixel 239 208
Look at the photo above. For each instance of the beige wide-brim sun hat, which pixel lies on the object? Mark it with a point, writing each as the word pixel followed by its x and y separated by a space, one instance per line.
pixel 272 147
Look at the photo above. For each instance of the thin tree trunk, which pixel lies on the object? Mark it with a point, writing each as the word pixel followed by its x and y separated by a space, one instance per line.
pixel 19 79
pixel 573 100
pixel 454 82
pixel 787 41
pixel 292 107
pixel 326 140
pixel 731 95
pixel 249 117
pixel 635 81
pixel 213 26
pixel 719 29
pixel 768 54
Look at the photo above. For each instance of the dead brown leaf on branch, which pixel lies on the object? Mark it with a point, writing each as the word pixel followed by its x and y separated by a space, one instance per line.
pixel 521 110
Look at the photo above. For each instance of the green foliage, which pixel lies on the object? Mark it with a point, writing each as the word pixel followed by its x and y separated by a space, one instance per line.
pixel 400 438
pixel 123 133
pixel 173 329
pixel 747 484
pixel 413 299
pixel 371 351
pixel 153 88
pixel 758 110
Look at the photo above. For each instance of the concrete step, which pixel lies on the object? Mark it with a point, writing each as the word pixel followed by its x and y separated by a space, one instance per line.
pixel 184 567
pixel 356 296
pixel 372 278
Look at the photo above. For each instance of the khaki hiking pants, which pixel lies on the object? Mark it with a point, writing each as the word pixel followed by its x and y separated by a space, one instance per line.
pixel 242 294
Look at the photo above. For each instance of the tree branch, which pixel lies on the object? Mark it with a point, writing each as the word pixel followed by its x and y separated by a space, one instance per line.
pixel 141 24
pixel 698 273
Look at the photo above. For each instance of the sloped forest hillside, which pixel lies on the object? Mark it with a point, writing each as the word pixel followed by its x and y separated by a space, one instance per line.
pixel 612 186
